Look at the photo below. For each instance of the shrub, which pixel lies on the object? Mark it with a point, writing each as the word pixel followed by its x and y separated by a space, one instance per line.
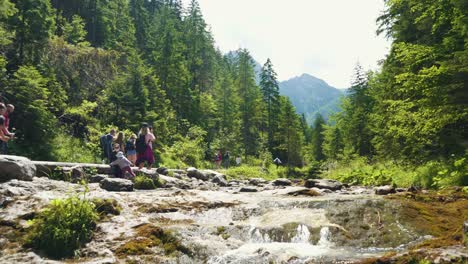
pixel 144 183
pixel 63 227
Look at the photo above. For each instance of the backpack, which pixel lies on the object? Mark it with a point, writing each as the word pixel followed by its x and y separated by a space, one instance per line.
pixel 141 144
pixel 130 145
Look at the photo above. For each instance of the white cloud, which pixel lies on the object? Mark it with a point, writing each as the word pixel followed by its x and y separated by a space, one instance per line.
pixel 322 37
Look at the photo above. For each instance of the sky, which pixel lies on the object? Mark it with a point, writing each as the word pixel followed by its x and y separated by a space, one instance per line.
pixel 324 38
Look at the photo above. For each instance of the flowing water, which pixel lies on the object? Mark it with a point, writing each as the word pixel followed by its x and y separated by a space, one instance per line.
pixel 225 226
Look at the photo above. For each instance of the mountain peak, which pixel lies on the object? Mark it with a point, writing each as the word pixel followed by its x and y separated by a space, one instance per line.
pixel 311 95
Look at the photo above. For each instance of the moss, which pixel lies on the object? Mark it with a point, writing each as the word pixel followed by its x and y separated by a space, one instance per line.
pixel 432 213
pixel 138 246
pixel 107 207
pixel 144 183
pixel 162 238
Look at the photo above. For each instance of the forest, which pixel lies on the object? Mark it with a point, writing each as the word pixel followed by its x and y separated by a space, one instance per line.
pixel 76 69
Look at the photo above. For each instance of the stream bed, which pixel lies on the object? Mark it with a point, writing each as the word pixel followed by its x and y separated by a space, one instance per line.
pixel 225 225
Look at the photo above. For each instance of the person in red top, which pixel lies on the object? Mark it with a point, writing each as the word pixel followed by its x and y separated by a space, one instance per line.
pixel 9 109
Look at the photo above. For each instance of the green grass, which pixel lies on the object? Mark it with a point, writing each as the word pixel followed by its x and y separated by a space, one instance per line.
pixel 433 174
pixel 63 227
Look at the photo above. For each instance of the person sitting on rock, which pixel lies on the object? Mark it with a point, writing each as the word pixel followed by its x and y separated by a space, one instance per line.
pixel 124 164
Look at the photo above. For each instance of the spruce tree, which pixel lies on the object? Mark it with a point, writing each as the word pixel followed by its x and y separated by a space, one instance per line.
pixel 270 91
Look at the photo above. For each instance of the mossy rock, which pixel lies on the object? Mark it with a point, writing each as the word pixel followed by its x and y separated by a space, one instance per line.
pixel 107 207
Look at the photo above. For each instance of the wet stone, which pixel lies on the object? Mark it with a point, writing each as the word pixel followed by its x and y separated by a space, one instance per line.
pixel 248 189
pixel 324 184
pixel 384 190
pixel 282 182
pixel 117 185
pixel 97 178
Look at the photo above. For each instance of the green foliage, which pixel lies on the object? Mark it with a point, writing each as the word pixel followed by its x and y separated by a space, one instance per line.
pixel 74 32
pixel 433 174
pixel 143 182
pixel 70 149
pixel 63 227
pixel 187 151
pixel 35 123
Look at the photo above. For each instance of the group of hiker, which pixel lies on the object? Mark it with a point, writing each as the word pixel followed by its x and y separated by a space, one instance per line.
pixel 122 154
pixel 5 134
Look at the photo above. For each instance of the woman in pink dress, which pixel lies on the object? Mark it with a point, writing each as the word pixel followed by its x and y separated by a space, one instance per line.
pixel 145 153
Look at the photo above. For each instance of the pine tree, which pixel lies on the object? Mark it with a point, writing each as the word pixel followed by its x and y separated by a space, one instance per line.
pixel 318 138
pixel 270 91
pixel 249 105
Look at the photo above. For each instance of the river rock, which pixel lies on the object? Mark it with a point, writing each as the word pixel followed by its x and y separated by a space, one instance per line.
pixel 384 190
pixel 282 182
pixel 15 167
pixel 97 178
pixel 257 181
pixel 326 184
pixel 248 189
pixel 77 174
pixel 116 185
pixel 194 173
pixel 220 180
pixel 162 170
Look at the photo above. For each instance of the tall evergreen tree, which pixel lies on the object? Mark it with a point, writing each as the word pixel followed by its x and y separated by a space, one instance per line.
pixel 318 138
pixel 270 91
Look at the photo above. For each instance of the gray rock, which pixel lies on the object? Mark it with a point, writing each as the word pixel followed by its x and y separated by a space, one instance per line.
pixel 248 189
pixel 220 180
pixel 194 173
pixel 282 182
pixel 162 170
pixel 77 174
pixel 97 178
pixel 233 183
pixel 331 185
pixel 15 167
pixel 116 185
pixel 384 190
pixel 257 181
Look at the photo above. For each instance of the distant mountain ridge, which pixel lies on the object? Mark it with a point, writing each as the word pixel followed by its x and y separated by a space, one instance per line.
pixel 311 95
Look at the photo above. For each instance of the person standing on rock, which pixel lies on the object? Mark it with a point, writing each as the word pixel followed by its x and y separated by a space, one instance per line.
pixel 144 147
pixel 131 149
pixel 218 159
pixel 226 158
pixel 3 138
pixel 121 141
pixel 106 145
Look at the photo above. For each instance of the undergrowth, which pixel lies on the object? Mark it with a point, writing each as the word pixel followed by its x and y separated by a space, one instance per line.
pixel 63 226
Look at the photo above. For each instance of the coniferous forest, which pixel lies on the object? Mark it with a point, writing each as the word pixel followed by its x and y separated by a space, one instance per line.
pixel 76 69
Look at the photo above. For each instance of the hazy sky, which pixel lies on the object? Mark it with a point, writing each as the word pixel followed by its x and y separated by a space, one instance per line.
pixel 324 38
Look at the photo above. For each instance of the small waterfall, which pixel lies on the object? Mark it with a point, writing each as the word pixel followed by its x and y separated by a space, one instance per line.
pixel 325 235
pixel 257 237
pixel 302 235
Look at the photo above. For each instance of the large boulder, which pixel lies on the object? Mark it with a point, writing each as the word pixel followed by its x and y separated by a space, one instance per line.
pixel 331 185
pixel 116 185
pixel 197 174
pixel 15 167
pixel 282 182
